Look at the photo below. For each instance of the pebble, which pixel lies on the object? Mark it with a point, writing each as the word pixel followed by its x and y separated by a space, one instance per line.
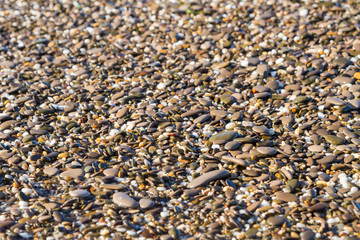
pixel 286 197
pixel 276 221
pixel 80 193
pixel 123 200
pixel 72 173
pixel 226 136
pixel 179 119
pixel 266 150
pixel 334 140
pixel 146 203
pixel 51 171
pixel 208 177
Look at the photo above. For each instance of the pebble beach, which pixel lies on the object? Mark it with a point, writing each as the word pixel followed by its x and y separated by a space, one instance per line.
pixel 180 119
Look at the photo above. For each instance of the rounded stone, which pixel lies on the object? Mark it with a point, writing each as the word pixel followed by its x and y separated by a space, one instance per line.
pixel 226 136
pixel 146 203
pixel 124 200
pixel 80 193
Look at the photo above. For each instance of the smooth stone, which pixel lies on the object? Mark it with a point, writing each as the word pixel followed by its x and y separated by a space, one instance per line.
pixel 266 150
pixel 7 124
pixel 202 118
pixel 123 200
pixel 308 235
pixel 286 197
pixel 51 171
pixel 51 205
pixel 146 203
pixel 113 186
pixel 316 148
pixel 219 113
pixel 208 177
pixel 191 192
pixel 343 79
pixel 327 159
pixel 227 136
pixel 232 145
pixel 301 99
pixel 335 101
pixel 355 103
pixel 262 69
pixel 261 129
pixel 276 221
pixel 335 140
pixel 6 224
pixel 80 193
pixel 72 173
pixel 191 113
pixel 111 172
pixel 226 98
pixel 122 112
pixel 292 184
pixel 318 207
pixel 262 95
pixel 236 160
pixel 260 88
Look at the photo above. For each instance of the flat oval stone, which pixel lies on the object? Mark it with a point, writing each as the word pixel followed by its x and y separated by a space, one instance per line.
pixel 316 148
pixel 51 171
pixel 72 173
pixel 335 140
pixel 7 124
pixel 261 129
pixel 202 118
pixel 111 186
pixel 146 203
pixel 301 99
pixel 122 112
pixel 343 79
pixel 276 221
pixel 335 101
pixel 227 136
pixel 286 197
pixel 219 113
pixel 111 172
pixel 191 192
pixel 232 145
pixel 80 193
pixel 236 160
pixel 208 177
pixel 317 207
pixel 327 159
pixel 191 113
pixel 266 150
pixel 260 88
pixel 123 200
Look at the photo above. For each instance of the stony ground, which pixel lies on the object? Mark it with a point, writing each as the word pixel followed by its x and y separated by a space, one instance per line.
pixel 179 119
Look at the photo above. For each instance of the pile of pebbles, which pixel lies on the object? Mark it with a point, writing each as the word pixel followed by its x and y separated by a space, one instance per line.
pixel 180 119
